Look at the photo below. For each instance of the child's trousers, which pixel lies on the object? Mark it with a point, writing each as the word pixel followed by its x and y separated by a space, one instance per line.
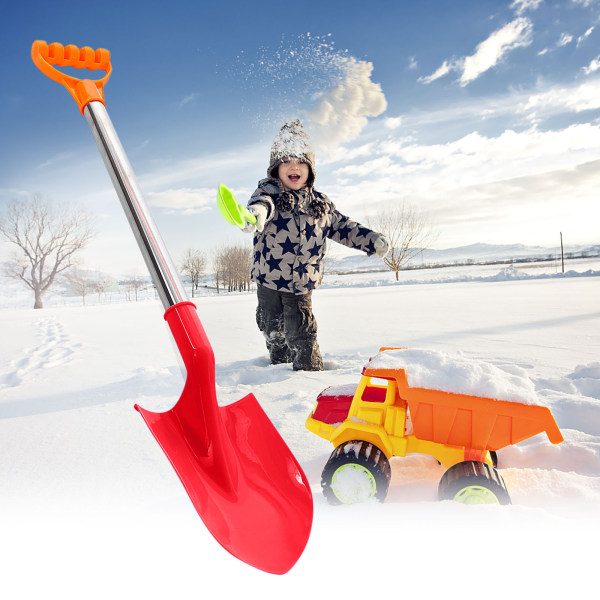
pixel 290 328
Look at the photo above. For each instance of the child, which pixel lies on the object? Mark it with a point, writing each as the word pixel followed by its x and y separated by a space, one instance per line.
pixel 293 220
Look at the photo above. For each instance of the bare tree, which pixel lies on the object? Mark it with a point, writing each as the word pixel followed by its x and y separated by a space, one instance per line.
pixel 219 267
pixel 232 266
pixel 133 286
pixel 80 283
pixel 329 257
pixel 408 232
pixel 193 264
pixel 47 237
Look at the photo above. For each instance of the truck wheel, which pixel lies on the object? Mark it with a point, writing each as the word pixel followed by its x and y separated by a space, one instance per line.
pixel 355 472
pixel 473 482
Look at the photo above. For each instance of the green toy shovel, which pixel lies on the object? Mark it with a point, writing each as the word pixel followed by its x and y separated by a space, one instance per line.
pixel 233 212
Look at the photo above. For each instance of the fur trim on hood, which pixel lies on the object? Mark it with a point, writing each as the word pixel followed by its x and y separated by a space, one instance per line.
pixel 284 200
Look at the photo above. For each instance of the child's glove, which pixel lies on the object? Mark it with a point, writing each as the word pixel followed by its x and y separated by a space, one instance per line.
pixel 382 246
pixel 260 212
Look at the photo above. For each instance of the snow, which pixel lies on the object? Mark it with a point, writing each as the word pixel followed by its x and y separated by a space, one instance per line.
pixel 348 389
pixel 91 508
pixel 458 374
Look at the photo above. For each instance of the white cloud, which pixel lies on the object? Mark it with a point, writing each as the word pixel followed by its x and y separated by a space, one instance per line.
pixel 393 122
pixel 475 158
pixel 521 6
pixel 349 153
pixel 593 66
pixel 488 53
pixel 562 99
pixel 565 38
pixel 342 112
pixel 445 68
pixel 185 201
pixel 513 35
pixel 187 99
pixel 10 194
pixel 585 35
pixel 194 171
pixel 57 159
pixel 493 180
pixel 585 3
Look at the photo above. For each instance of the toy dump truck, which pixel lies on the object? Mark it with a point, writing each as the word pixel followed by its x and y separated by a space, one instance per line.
pixel 385 417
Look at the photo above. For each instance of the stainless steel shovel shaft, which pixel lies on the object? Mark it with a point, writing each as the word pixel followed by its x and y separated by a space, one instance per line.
pixel 163 272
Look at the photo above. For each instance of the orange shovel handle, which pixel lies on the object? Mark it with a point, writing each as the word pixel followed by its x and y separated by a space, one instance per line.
pixel 83 90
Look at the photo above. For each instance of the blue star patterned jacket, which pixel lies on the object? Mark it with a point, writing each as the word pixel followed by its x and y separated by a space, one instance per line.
pixel 288 253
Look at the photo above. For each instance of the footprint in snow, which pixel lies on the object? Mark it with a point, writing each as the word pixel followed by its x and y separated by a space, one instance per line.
pixel 53 349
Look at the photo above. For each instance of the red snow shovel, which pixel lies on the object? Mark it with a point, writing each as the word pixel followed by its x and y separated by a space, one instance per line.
pixel 242 478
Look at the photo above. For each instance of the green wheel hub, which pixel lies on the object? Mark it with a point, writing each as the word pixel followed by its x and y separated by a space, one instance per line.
pixel 352 483
pixel 476 494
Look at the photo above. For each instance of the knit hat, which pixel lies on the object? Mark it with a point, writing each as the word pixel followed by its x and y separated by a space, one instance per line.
pixel 292 141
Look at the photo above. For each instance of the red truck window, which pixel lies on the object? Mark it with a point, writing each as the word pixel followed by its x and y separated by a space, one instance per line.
pixel 374 394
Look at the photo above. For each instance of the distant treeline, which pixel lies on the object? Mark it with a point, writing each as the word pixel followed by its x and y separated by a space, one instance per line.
pixel 589 253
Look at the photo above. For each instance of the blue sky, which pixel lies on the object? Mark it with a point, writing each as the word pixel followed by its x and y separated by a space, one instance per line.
pixel 484 114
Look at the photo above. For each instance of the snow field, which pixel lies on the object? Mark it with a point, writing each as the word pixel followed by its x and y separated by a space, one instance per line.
pixel 90 507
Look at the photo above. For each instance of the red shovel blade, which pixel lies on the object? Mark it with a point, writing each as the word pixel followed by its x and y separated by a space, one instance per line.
pixel 242 478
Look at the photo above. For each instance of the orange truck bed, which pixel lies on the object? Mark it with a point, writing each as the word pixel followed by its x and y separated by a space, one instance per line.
pixel 470 421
